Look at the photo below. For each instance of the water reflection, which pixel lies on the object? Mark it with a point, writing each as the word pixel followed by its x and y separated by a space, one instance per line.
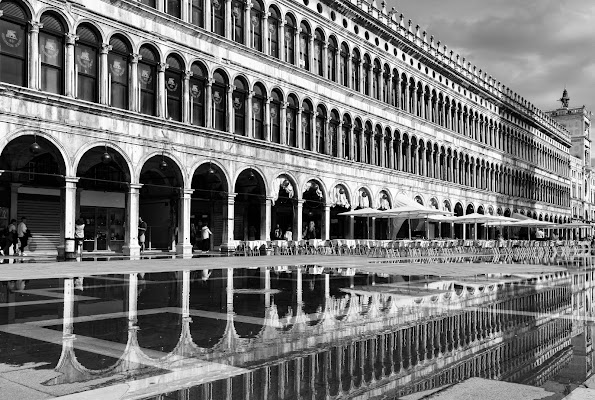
pixel 297 332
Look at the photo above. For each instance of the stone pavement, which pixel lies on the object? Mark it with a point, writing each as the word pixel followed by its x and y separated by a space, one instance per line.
pixel 30 269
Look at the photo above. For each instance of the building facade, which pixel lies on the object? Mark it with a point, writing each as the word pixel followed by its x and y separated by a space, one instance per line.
pixel 248 115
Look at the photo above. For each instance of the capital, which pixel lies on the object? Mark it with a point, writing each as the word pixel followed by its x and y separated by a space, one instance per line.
pixel 186 192
pixel 35 26
pixel 135 58
pixel 134 187
pixel 72 180
pixel 71 38
pixel 161 67
pixel 105 48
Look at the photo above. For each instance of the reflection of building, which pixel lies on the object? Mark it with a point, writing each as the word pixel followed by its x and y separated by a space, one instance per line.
pixel 197 111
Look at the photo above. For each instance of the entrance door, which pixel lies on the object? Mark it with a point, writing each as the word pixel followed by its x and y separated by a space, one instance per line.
pixel 104 228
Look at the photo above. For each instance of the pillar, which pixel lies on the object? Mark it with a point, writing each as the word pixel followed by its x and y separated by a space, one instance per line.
pixel 34 63
pixel 298 129
pixel 134 94
pixel 283 134
pixel 69 66
pixel 281 41
pixel 267 120
pixel 186 97
pixel 326 233
pixel 68 201
pixel 228 28
pixel 131 247
pixel 230 116
pixel 228 215
pixel 247 24
pixel 298 220
pixel 207 16
pixel 249 124
pixel 209 103
pixel 340 140
pixel 161 92
pixel 104 79
pixel 265 219
pixel 184 246
pixel 325 60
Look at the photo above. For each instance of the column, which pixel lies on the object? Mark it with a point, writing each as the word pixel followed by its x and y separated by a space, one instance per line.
pixel 311 54
pixel 228 26
pixel 69 64
pixel 134 98
pixel 382 154
pixel 207 15
pixel 283 134
pixel 186 97
pixel 230 116
pixel 351 143
pixel 34 62
pixel 247 24
pixel 296 45
pixel 249 124
pixel 131 246
pixel 298 129
pixel 298 220
pixel 399 160
pixel 105 83
pixel 281 40
pixel 267 120
pixel 340 152
pixel 326 233
pixel 351 227
pixel 68 202
pixel 161 92
pixel 228 215
pixel 424 162
pixel 264 26
pixel 373 229
pixel 325 60
pixel 313 130
pixel 184 246
pixel 265 219
pixel 209 102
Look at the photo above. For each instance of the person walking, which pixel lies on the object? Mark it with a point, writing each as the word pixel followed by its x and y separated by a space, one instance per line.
pixel 79 234
pixel 288 234
pixel 205 234
pixel 11 238
pixel 23 235
pixel 277 233
pixel 142 228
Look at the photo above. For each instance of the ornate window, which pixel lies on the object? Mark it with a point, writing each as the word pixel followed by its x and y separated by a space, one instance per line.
pixel 318 52
pixel 355 71
pixel 218 16
pixel 291 121
pixel 333 134
pixel 219 100
pixel 345 132
pixel 367 73
pixel 147 79
pixel 377 145
pixel 173 8
pixel 273 27
pixel 320 130
pixel 197 11
pixel 376 85
pixel 174 78
pixel 118 72
pixel 289 44
pixel 238 99
pixel 344 65
pixel 305 46
pixel 197 95
pixel 357 141
pixel 331 60
pixel 307 125
pixel 51 54
pixel 86 61
pixel 258 112
pixel 276 117
pixel 237 20
pixel 256 17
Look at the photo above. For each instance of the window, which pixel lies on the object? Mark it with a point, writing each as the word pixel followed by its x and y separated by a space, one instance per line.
pixel 256 16
pixel 376 85
pixel 333 134
pixel 86 70
pixel 273 27
pixel 147 80
pixel 344 65
pixel 289 48
pixel 258 112
pixel 307 126
pixel 197 11
pixel 237 21
pixel 321 130
pixel 118 72
pixel 367 144
pixel 377 145
pixel 13 44
pixel 331 56
pixel 357 141
pixel 150 3
pixel 367 73
pixel 305 46
pixel 346 136
pixel 291 121
pixel 386 85
pixel 276 117
pixel 173 87
pixel 239 97
pixel 197 95
pixel 173 8
pixel 355 71
pixel 218 17
pixel 51 54
pixel 219 103
pixel 318 52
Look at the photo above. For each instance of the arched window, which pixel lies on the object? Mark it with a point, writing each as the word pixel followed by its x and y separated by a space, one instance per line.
pixel 367 144
pixel 173 8
pixel 334 127
pixel 237 20
pixel 150 3
pixel 344 65
pixel 305 46
pixel 239 98
pixel 147 79
pixel 218 16
pixel 320 130
pixel 307 125
pixel 174 76
pixel 197 11
pixel 395 88
pixel 355 71
pixel 289 39
pixel 386 85
pixel 357 140
pixel 118 72
pixel 346 139
pixel 331 62
pixel 86 55
pixel 367 73
pixel 376 85
pixel 51 54
pixel 258 112
pixel 291 121
pixel 377 145
pixel 256 16
pixel 273 22
pixel 318 48
pixel 219 103
pixel 197 95
pixel 276 116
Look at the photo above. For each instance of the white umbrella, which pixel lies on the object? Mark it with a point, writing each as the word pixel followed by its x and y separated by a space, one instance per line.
pixel 363 212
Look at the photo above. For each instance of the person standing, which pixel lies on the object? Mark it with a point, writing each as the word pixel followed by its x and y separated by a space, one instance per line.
pixel 79 234
pixel 288 234
pixel 142 228
pixel 205 234
pixel 310 232
pixel 11 238
pixel 23 235
pixel 277 233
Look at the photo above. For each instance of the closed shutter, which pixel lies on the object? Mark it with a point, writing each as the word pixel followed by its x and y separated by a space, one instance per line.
pixel 43 219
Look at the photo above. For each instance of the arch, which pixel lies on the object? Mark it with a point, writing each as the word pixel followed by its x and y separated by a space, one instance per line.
pixel 170 157
pixel 125 163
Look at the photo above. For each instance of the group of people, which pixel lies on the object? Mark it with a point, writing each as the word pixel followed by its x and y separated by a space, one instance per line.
pixel 309 232
pixel 200 236
pixel 16 234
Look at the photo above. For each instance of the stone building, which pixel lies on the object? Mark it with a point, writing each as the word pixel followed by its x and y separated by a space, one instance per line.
pixel 245 115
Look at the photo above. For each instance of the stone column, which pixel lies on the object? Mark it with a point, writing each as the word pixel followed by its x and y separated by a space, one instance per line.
pixel 267 120
pixel 264 26
pixel 311 52
pixel 249 125
pixel 34 61
pixel 230 115
pixel 265 219
pixel 131 247
pixel 185 10
pixel 228 216
pixel 298 220
pixel 209 103
pixel 207 15
pixel 247 25
pixel 68 201
pixel 351 148
pixel 313 130
pixel 186 98
pixel 382 153
pixel 281 39
pixel 325 60
pixel 283 133
pixel 399 160
pixel 134 91
pixel 298 129
pixel 340 144
pixel 184 246
pixel 69 66
pixel 326 233
pixel 105 83
pixel 228 28
pixel 296 46
pixel 351 228
pixel 161 92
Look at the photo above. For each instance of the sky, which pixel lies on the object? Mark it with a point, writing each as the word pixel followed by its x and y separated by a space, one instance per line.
pixel 535 47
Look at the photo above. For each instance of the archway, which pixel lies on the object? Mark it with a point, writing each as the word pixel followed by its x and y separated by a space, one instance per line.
pixel 340 202
pixel 362 225
pixel 469 228
pixel 313 208
pixel 284 203
pixel 382 225
pixel 458 228
pixel 209 203
pixel 103 184
pixel 480 227
pixel 159 201
pixel 250 214
pixel 446 230
pixel 33 172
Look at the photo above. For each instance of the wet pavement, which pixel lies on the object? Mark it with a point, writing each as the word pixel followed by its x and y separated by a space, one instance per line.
pixel 293 327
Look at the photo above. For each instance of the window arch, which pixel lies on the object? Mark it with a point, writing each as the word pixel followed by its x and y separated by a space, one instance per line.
pixel 219 103
pixel 273 27
pixel 174 77
pixel 291 120
pixel 239 99
pixel 197 95
pixel 197 18
pixel 346 135
pixel 13 54
pixel 118 72
pixel 320 130
pixel 344 65
pixel 147 77
pixel 333 134
pixel 357 141
pixel 376 84
pixel 258 112
pixel 331 59
pixel 307 125
pixel 368 143
pixel 276 99
pixel 305 46
pixel 386 84
pixel 377 145
pixel 87 57
pixel 173 8
pixel 237 20
pixel 256 17
pixel 367 73
pixel 289 43
pixel 355 70
pixel 51 53
pixel 218 16
pixel 318 52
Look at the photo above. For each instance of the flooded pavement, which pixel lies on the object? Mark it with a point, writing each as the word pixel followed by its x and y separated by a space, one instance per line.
pixel 293 332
